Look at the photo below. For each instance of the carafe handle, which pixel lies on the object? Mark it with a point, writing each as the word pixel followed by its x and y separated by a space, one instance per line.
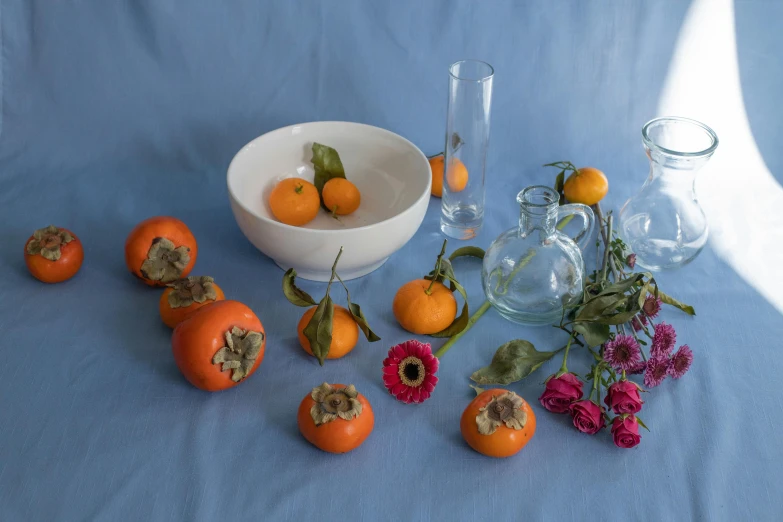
pixel 588 218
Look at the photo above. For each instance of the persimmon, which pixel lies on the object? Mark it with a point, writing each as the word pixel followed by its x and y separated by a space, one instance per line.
pixel 335 418
pixel 457 177
pixel 424 307
pixel 219 345
pixel 53 254
pixel 294 201
pixel 498 423
pixel 345 332
pixel 185 296
pixel 586 185
pixel 341 196
pixel 160 250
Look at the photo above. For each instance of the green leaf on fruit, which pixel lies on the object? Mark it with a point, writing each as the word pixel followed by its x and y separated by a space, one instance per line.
pixel 461 321
pixel 327 165
pixel 471 251
pixel 319 330
pixel 479 390
pixel 512 362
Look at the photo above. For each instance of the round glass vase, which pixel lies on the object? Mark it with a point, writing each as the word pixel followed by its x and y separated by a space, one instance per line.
pixel 663 224
pixel 533 272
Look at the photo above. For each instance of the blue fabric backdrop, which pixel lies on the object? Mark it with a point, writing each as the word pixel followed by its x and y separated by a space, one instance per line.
pixel 115 111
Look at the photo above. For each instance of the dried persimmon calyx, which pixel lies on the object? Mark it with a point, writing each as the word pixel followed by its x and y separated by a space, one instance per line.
pixel 332 403
pixel 240 353
pixel 193 289
pixel 502 409
pixel 46 242
pixel 165 262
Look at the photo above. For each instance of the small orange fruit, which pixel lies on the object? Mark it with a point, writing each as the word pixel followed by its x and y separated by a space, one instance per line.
pixel 160 250
pixel 457 176
pixel 335 418
pixel 185 296
pixel 498 423
pixel 422 311
pixel 341 196
pixel 345 332
pixel 294 201
pixel 53 254
pixel 587 186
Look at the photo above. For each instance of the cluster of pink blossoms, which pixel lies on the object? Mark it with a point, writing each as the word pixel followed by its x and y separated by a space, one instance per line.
pixel 563 390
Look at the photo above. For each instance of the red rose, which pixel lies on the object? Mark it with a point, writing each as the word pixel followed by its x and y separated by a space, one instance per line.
pixel 588 416
pixel 623 397
pixel 560 392
pixel 625 431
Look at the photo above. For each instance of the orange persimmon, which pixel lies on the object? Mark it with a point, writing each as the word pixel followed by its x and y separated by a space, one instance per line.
pixel 53 254
pixel 185 296
pixel 335 418
pixel 219 345
pixel 160 250
pixel 498 423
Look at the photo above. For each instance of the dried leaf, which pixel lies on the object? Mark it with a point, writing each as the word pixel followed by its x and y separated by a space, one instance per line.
pixel 594 334
pixel 361 320
pixel 295 295
pixel 513 361
pixel 598 306
pixel 626 284
pixel 319 330
pixel 688 309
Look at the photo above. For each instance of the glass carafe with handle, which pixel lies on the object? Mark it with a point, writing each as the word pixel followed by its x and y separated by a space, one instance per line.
pixel 531 272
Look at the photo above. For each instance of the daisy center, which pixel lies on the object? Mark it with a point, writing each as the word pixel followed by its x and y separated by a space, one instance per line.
pixel 411 371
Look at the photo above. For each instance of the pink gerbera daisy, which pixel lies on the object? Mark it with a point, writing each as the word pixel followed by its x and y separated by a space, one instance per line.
pixel 622 352
pixel 681 361
pixel 409 371
pixel 656 371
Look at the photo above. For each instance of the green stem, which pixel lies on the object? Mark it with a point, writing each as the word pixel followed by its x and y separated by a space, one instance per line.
pixel 564 367
pixel 334 270
pixel 605 263
pixel 428 291
pixel 502 288
pixel 596 375
pixel 563 222
pixel 473 318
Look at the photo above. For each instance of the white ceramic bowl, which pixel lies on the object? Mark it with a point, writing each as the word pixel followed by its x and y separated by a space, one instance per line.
pixel 391 173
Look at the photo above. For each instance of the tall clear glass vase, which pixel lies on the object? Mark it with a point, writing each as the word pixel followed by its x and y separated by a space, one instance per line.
pixel 467 139
pixel 664 224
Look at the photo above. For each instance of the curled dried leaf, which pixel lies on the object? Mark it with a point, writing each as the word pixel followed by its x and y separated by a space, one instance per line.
pixel 294 294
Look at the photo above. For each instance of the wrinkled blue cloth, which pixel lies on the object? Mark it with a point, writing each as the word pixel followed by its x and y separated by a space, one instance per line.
pixel 116 111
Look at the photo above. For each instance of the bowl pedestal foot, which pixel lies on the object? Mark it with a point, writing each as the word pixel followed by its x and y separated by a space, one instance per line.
pixel 324 275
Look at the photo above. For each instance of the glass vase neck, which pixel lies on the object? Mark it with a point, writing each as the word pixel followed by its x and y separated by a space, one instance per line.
pixel 538 211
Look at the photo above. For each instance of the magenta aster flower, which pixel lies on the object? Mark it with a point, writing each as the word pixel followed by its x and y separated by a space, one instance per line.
pixel 681 361
pixel 652 306
pixel 622 352
pixel 409 371
pixel 656 371
pixel 663 340
pixel 630 260
pixel 639 368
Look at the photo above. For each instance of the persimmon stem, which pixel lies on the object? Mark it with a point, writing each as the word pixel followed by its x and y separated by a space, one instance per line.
pixel 428 291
